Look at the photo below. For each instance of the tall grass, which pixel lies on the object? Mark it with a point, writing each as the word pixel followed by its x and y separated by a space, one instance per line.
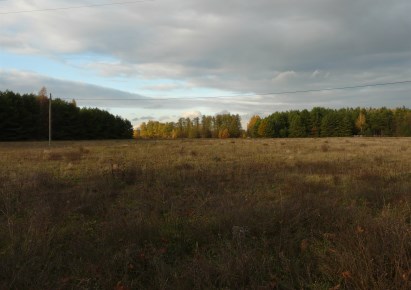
pixel 206 214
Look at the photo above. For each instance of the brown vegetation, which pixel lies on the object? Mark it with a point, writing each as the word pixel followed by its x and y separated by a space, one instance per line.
pixel 206 214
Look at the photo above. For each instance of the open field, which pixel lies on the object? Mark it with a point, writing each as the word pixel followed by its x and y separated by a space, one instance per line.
pixel 206 214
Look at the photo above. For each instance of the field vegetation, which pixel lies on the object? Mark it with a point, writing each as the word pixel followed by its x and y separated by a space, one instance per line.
pixel 329 213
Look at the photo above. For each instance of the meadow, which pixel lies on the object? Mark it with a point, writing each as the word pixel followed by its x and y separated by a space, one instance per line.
pixel 325 213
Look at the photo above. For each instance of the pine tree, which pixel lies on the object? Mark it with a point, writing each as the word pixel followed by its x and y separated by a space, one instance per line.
pixel 329 125
pixel 296 128
pixel 345 126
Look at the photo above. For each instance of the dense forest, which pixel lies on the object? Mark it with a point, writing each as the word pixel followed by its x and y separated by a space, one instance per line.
pixel 319 122
pixel 322 122
pixel 25 117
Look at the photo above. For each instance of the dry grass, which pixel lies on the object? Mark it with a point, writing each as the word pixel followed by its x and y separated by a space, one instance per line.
pixel 206 214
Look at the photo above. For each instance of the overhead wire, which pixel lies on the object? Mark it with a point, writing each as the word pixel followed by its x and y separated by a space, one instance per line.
pixel 75 7
pixel 247 95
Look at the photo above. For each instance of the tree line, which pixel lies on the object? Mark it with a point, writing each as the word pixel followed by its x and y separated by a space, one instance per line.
pixel 219 126
pixel 26 117
pixel 322 122
pixel 318 122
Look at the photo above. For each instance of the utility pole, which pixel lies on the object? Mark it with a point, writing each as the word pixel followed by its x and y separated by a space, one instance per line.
pixel 50 120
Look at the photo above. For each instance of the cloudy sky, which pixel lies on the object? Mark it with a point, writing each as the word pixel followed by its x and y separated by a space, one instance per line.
pixel 163 59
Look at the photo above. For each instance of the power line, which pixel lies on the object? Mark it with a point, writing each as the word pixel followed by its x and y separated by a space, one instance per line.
pixel 250 95
pixel 338 89
pixel 75 7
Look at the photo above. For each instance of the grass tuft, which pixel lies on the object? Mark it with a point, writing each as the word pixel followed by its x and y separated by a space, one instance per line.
pixel 206 214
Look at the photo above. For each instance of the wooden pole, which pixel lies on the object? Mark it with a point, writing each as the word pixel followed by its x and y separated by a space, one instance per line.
pixel 50 120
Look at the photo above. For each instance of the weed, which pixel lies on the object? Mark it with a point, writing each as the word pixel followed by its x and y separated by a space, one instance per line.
pixel 325 147
pixel 201 215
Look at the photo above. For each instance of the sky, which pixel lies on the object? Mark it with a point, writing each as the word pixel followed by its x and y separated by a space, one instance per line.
pixel 166 59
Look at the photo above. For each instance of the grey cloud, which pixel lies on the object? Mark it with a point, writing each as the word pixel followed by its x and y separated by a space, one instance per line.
pixel 147 118
pixel 24 82
pixel 85 94
pixel 223 112
pixel 163 118
pixel 167 87
pixel 238 46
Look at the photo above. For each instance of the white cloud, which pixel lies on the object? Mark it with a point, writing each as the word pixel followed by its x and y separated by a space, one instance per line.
pixel 191 114
pixel 112 69
pixel 165 118
pixel 284 76
pixel 167 87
